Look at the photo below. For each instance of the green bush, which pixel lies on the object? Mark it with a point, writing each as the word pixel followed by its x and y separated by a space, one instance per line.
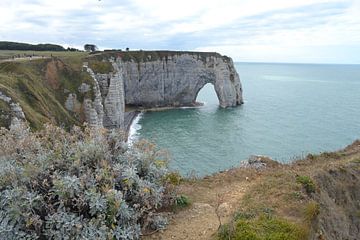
pixel 262 228
pixel 86 184
pixel 307 183
pixel 182 201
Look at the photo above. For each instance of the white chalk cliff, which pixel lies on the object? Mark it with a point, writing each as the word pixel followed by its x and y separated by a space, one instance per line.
pixel 173 79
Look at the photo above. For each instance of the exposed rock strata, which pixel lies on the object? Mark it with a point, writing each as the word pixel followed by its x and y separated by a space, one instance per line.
pixel 16 115
pixel 171 80
pixel 338 196
pixel 108 108
pixel 94 110
pixel 175 80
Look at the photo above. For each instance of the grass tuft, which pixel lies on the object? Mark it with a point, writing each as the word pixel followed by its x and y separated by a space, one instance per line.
pixel 307 183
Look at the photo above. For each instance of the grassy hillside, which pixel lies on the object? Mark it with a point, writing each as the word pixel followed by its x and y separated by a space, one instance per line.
pixel 41 86
pixel 314 198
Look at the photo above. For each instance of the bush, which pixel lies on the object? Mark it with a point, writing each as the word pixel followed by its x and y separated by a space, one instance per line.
pixel 307 183
pixel 86 184
pixel 182 201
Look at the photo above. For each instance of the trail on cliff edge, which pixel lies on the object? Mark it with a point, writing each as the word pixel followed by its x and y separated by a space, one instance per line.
pixel 335 175
pixel 213 197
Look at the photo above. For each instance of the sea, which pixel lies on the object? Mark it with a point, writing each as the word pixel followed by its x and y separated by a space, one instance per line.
pixel 289 110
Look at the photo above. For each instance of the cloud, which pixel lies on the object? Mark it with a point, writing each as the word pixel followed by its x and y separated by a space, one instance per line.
pixel 253 30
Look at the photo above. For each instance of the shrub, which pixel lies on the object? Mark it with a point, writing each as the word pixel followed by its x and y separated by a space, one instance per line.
pixel 307 183
pixel 182 201
pixel 86 184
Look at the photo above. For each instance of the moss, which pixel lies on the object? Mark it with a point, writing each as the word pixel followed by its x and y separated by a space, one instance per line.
pixel 262 228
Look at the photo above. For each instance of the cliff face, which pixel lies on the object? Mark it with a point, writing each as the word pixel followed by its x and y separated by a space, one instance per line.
pixel 171 79
pixel 338 196
pixel 65 91
pixel 175 80
pixel 108 108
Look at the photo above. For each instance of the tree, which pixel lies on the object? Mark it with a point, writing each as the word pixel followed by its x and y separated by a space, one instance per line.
pixel 90 47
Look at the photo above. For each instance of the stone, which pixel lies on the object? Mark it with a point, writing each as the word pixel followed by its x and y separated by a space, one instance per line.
pixel 84 88
pixel 71 102
pixel 4 97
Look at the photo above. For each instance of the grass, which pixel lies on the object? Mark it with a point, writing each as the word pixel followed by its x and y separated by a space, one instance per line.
pixel 41 86
pixel 6 54
pixel 307 183
pixel 262 227
pixel 144 56
pixel 100 66
pixel 312 209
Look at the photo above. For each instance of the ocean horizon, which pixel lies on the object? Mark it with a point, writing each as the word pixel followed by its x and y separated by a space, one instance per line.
pixel 289 111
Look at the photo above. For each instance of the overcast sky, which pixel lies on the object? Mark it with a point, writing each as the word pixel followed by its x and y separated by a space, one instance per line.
pixel 315 31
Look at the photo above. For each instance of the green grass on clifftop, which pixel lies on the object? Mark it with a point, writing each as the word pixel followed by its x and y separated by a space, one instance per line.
pixel 41 86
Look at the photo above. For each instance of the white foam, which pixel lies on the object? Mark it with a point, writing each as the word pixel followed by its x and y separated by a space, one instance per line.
pixel 134 128
pixel 198 106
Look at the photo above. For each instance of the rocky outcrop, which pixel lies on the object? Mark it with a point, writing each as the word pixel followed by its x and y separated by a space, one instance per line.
pixel 108 108
pixel 15 115
pixel 171 79
pixel 176 79
pixel 338 196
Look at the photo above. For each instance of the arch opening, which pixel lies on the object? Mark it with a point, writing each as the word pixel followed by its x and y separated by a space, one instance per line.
pixel 207 95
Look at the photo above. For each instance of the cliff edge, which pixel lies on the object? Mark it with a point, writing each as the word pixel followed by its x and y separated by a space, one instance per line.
pixel 96 88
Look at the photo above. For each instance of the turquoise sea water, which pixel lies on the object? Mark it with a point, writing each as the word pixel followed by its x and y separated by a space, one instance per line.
pixel 289 111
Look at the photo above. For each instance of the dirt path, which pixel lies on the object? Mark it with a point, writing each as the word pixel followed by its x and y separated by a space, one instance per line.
pixel 23 59
pixel 214 197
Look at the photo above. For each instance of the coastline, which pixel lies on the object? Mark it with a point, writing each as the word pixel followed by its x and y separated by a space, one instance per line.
pixel 128 122
pixel 132 114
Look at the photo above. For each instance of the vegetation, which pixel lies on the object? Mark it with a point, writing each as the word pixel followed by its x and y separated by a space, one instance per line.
pixel 79 185
pixel 307 183
pixel 90 47
pixel 145 56
pixel 263 227
pixel 182 201
pixel 311 211
pixel 100 66
pixel 41 88
pixel 25 46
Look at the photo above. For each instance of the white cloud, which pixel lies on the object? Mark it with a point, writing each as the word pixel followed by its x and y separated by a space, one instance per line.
pixel 256 30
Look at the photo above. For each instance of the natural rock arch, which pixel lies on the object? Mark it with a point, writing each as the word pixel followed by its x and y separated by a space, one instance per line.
pixel 176 80
pixel 171 79
pixel 205 88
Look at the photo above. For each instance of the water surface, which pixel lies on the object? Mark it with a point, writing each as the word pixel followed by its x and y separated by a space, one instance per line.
pixel 289 111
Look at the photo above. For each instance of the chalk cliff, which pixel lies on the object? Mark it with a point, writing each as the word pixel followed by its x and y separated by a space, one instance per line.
pixel 158 79
pixel 66 92
pixel 176 79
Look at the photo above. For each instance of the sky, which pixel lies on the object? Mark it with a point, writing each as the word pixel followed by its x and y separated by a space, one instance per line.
pixel 306 31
